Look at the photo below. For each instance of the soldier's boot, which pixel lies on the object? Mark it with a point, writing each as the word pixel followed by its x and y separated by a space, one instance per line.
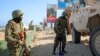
pixel 63 48
pixel 56 42
pixel 54 49
pixel 64 51
pixel 60 49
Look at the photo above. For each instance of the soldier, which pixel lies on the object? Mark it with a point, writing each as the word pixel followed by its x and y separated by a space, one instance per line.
pixel 59 27
pixel 14 33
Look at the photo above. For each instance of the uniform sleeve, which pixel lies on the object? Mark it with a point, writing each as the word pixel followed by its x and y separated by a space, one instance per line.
pixel 8 34
pixel 68 28
pixel 71 19
pixel 56 25
pixel 25 33
pixel 66 25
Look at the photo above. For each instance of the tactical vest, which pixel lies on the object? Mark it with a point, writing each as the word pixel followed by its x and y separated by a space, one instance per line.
pixel 17 31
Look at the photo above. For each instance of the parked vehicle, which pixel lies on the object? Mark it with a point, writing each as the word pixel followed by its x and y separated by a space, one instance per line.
pixel 87 20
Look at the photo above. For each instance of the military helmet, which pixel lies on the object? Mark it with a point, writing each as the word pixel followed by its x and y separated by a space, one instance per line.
pixel 64 13
pixel 17 13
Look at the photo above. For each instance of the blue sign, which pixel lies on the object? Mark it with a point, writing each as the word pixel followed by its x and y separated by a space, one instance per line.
pixel 62 4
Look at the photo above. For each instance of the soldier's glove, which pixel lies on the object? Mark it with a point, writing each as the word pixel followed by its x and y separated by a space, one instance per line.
pixel 21 35
pixel 68 33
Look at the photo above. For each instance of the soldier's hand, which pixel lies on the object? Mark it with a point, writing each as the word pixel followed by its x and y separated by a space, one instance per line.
pixel 21 42
pixel 67 33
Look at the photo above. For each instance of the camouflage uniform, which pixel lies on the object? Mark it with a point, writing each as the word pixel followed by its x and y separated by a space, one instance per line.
pixel 62 22
pixel 12 37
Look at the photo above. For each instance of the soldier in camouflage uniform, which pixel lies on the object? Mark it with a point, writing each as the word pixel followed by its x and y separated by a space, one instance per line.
pixel 59 27
pixel 14 33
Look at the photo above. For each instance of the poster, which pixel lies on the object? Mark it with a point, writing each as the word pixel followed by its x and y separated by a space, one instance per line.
pixel 51 13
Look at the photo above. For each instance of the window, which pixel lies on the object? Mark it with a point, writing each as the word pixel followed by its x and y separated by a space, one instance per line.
pixel 82 2
pixel 97 0
pixel 67 0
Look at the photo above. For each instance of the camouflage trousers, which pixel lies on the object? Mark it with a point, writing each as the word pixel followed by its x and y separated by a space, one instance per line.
pixel 62 38
pixel 14 51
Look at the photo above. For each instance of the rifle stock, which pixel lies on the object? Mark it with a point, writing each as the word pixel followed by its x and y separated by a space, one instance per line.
pixel 24 51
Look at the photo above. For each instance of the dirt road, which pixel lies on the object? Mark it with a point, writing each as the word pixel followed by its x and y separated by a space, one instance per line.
pixel 43 46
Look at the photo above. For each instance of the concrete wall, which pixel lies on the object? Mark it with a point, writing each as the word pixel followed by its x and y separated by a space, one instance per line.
pixel 90 2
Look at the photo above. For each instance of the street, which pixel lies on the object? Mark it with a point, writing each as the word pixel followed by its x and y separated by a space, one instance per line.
pixel 44 46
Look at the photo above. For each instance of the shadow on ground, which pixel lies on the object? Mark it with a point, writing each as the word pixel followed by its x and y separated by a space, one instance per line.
pixel 3 48
pixel 71 48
